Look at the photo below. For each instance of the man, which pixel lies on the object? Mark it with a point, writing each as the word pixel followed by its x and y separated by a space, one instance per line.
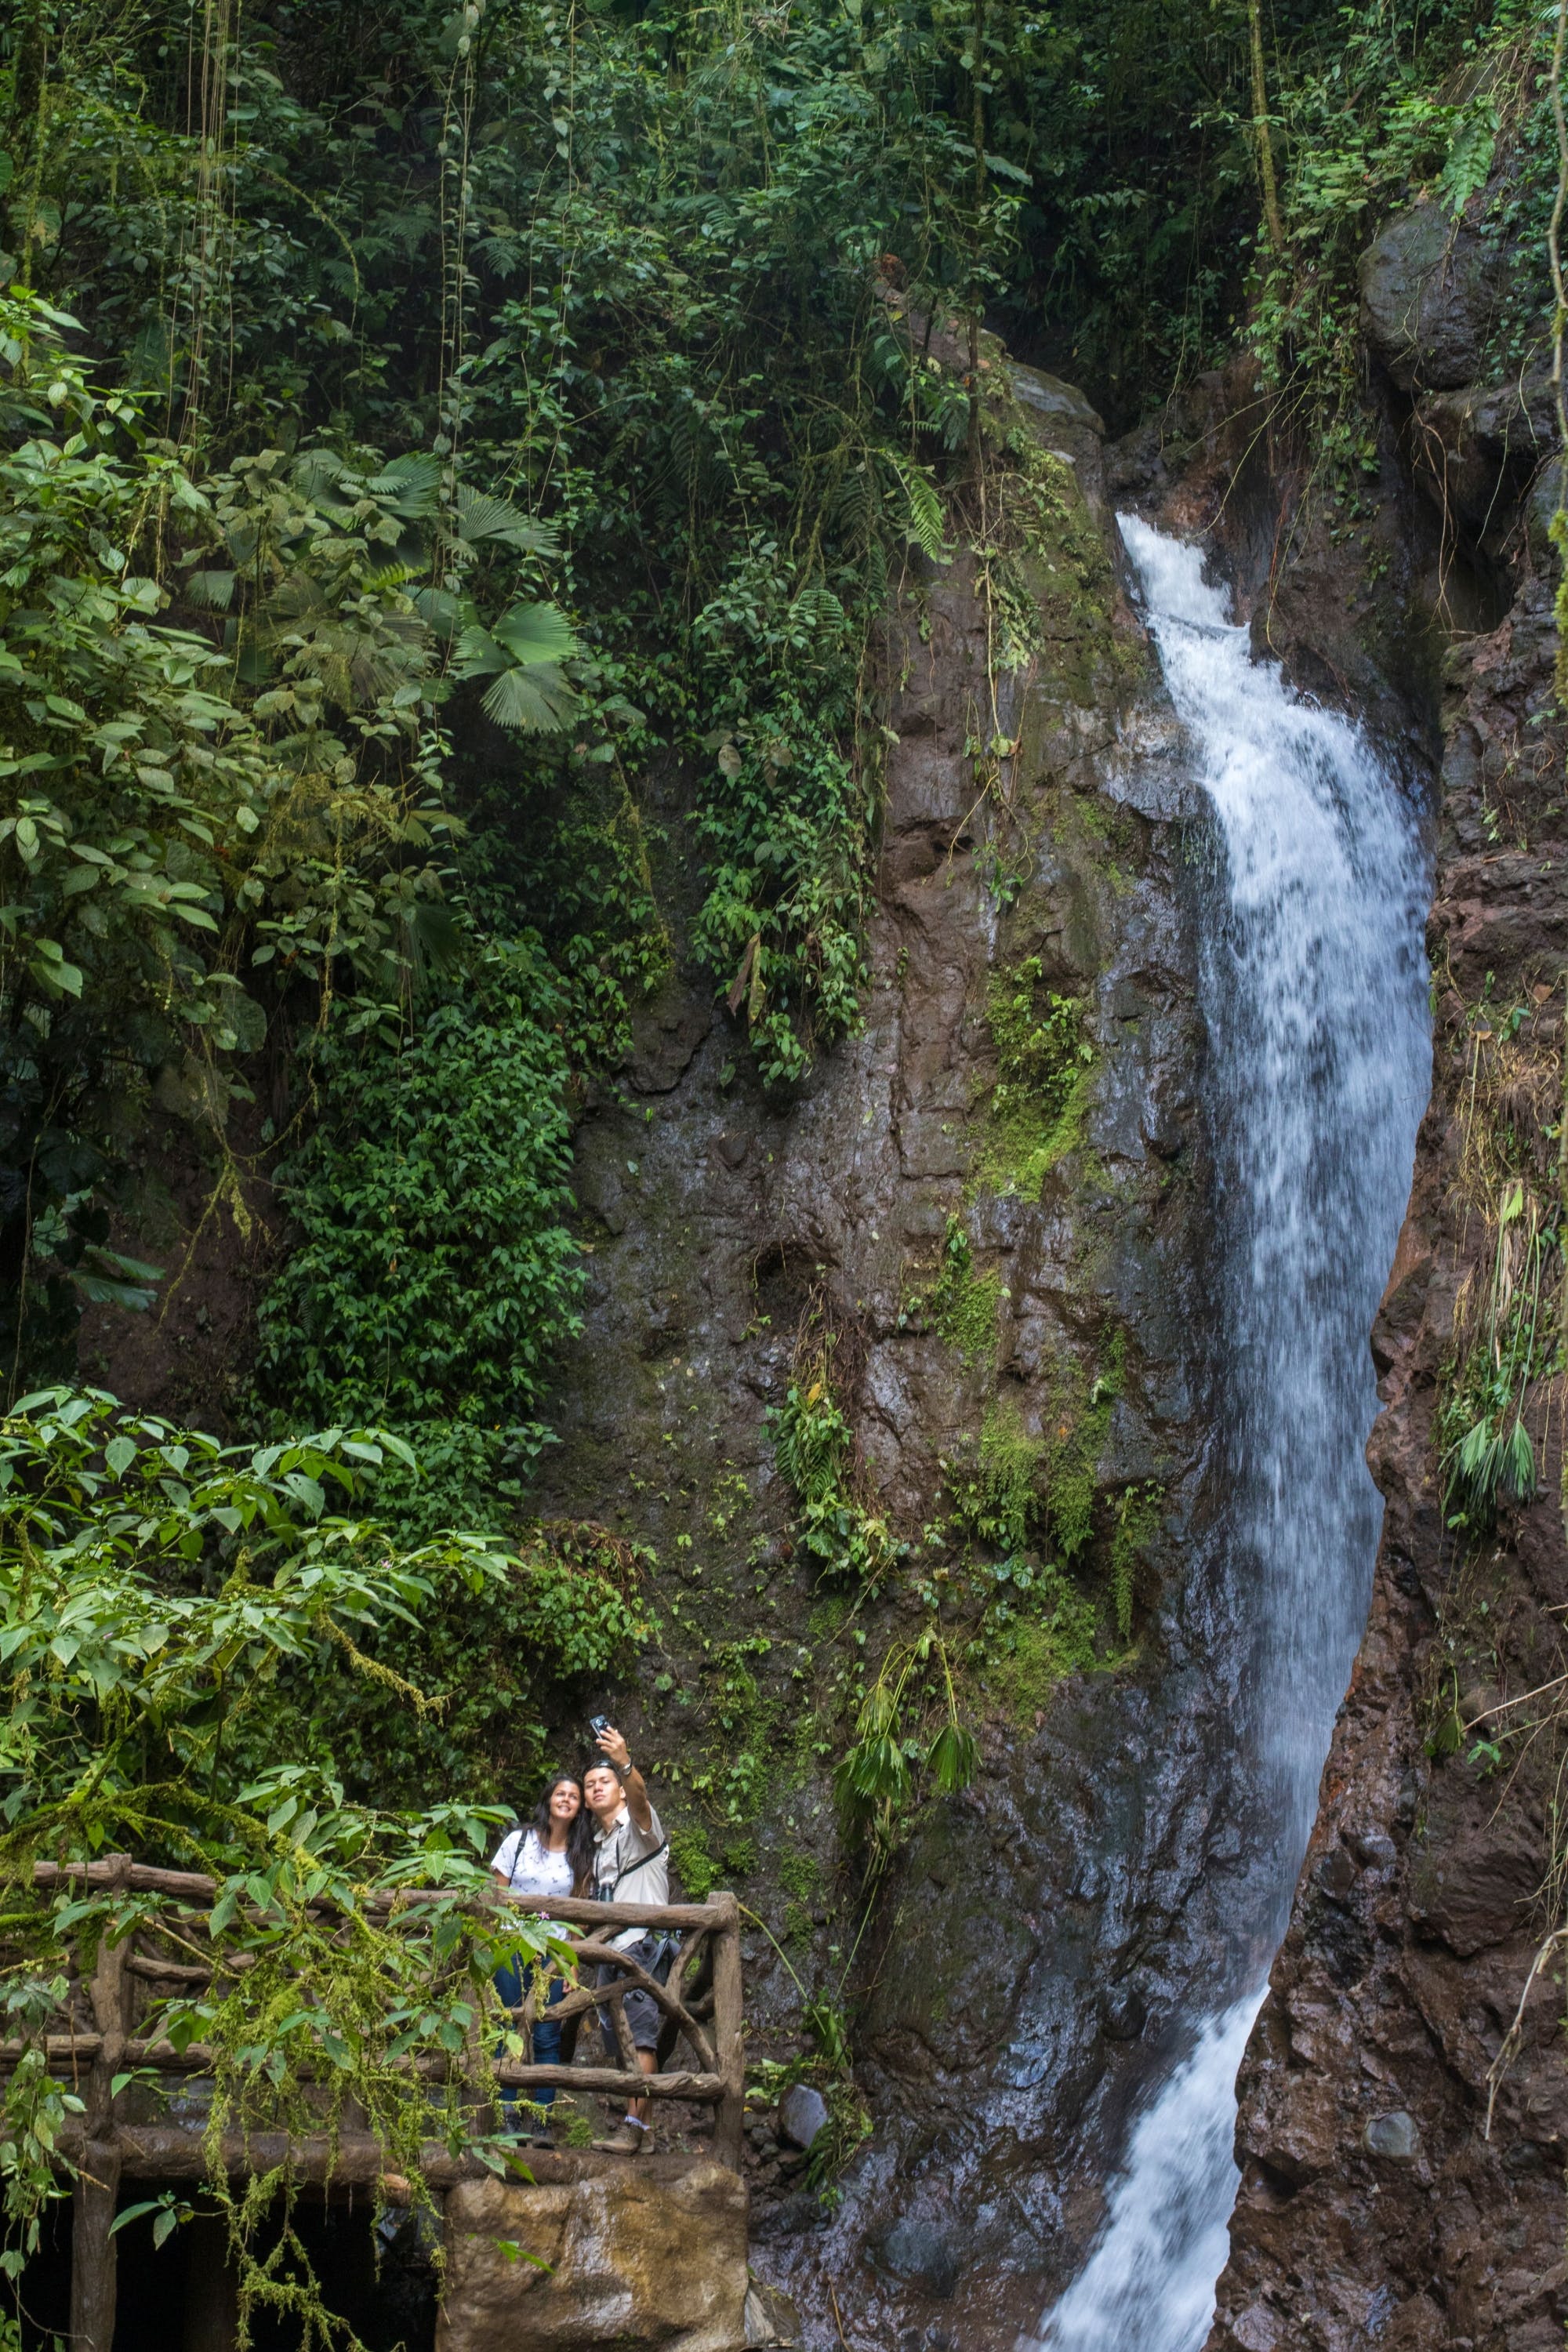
pixel 631 1864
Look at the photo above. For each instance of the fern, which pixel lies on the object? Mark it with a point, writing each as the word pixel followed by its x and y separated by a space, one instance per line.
pixel 922 518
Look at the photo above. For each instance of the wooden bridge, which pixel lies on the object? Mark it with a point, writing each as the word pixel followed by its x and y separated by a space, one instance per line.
pixel 103 2035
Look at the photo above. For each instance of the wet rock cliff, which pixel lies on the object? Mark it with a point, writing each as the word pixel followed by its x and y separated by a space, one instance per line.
pixel 1403 2100
pixel 992 1282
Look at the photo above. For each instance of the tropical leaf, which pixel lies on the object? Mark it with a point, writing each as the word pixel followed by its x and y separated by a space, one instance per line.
pixel 819 609
pixel 536 633
pixel 1469 158
pixel 953 1759
pixel 408 486
pixel 875 1770
pixel 481 517
pixel 212 590
pixel 315 471
pixel 522 654
pixel 430 937
pixel 438 609
pixel 107 1279
pixel 477 653
pixel 922 514
pixel 1518 1469
pixel 530 701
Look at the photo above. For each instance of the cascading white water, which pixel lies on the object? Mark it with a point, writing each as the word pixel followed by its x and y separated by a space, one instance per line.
pixel 1314 988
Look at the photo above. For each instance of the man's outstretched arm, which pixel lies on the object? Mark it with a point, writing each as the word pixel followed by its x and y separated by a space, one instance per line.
pixel 632 1781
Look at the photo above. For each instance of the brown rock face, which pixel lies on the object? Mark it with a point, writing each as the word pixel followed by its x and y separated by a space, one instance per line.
pixel 1028 1950
pixel 1375 2206
pixel 634 2258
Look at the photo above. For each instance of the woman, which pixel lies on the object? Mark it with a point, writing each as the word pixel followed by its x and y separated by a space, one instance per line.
pixel 551 1855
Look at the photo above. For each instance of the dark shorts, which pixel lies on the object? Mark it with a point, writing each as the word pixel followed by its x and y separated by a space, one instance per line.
pixel 642 2010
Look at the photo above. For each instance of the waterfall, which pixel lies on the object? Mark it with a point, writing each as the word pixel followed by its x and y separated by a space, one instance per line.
pixel 1313 983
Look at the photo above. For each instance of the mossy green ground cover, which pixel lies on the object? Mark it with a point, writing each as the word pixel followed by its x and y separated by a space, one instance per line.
pixel 1044 1087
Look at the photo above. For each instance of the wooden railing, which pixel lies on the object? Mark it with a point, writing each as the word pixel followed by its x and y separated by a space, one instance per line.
pixel 699 2004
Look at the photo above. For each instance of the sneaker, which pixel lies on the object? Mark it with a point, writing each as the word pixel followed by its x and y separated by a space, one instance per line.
pixel 630 2140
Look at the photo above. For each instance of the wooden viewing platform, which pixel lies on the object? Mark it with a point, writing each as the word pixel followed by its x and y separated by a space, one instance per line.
pixel 700 2005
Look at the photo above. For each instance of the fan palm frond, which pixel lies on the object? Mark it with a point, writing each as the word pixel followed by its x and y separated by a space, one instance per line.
pixel 522 654
pixel 408 486
pixel 532 701
pixel 480 517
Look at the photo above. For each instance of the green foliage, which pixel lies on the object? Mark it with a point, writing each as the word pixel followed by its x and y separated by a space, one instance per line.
pixel 960 1305
pixel 751 443
pixel 742 1761
pixel 1141 255
pixel 1136 1523
pixel 1044 1069
pixel 1440 107
pixel 701 1870
pixel 156 1588
pixel 1077 1430
pixel 800 1874
pixel 157 1583
pixel 830 2066
pixel 434 1275
pixel 521 653
pixel 895 1745
pixel 1026 1659
pixel 255 780
pixel 1488 1456
pixel 499 1666
pixel 1009 1461
pixel 813 1445
pixel 1037 1627
pixel 693 1858
pixel 1071 1491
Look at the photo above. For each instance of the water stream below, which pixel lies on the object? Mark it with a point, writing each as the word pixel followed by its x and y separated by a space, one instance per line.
pixel 1313 986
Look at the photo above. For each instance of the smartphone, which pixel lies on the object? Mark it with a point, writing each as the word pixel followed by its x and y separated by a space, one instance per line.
pixel 597 1723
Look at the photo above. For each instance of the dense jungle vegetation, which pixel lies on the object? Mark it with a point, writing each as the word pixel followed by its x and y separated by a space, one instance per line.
pixel 418 426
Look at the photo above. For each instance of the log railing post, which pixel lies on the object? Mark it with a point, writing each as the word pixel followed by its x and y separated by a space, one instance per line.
pixel 96 2189
pixel 729 2032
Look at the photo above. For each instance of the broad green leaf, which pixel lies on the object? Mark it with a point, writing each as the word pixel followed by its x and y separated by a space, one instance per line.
pixel 134 2212
pixel 535 633
pixel 532 700
pixel 480 517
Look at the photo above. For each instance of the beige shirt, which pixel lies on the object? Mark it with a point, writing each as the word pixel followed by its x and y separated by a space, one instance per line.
pixel 631 1865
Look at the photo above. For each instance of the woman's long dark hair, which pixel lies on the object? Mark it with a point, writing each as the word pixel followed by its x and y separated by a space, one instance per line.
pixel 579 1836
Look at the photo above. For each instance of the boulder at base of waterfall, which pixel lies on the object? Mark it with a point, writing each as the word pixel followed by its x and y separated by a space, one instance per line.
pixel 1430 289
pixel 802 2112
pixel 1394 2136
pixel 912 2250
pixel 636 2257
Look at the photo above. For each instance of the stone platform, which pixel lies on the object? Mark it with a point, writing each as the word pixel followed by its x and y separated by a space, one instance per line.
pixel 641 2252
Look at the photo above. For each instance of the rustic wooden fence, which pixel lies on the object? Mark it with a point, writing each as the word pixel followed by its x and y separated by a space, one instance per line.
pixel 699 2004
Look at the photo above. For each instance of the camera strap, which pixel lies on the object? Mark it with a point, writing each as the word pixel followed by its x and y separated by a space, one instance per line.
pixel 651 1855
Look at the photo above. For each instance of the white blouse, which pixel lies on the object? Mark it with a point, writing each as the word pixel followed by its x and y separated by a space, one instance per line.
pixel 528 1867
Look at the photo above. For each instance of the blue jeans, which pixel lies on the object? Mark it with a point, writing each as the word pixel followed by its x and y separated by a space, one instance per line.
pixel 508 1984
